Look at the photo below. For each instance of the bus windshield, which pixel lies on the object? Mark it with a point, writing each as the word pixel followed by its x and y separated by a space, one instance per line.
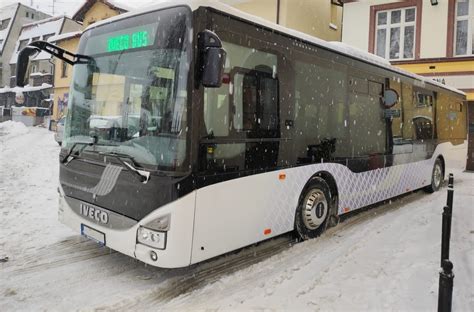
pixel 132 96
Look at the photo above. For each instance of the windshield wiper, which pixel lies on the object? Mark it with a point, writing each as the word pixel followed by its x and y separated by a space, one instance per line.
pixel 142 175
pixel 69 157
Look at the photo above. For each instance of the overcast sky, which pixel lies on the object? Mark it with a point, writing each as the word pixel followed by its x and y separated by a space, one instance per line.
pixel 67 7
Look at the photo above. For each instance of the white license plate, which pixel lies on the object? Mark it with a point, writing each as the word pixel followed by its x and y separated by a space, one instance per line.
pixel 95 235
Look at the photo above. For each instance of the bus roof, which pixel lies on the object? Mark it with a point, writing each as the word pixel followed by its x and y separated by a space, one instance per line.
pixel 334 46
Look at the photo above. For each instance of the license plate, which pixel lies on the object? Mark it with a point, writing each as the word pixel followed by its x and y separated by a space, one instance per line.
pixel 92 234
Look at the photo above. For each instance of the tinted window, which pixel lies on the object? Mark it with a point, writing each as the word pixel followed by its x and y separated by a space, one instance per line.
pixel 320 111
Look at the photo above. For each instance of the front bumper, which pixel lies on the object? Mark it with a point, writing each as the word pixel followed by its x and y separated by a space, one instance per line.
pixel 121 232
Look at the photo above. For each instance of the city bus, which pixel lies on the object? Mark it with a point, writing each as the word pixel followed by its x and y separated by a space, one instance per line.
pixel 194 129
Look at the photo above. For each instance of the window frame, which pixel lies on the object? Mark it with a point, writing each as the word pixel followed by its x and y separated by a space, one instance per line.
pixel 374 9
pixel 5 23
pixel 401 25
pixel 64 69
pixel 470 20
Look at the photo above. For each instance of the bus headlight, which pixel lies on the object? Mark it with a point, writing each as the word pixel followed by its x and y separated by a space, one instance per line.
pixel 161 224
pixel 151 238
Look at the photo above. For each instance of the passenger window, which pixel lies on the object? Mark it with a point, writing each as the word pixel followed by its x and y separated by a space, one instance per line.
pixel 241 112
pixel 320 122
pixel 423 128
pixel 367 138
pixel 402 119
pixel 256 104
pixel 247 101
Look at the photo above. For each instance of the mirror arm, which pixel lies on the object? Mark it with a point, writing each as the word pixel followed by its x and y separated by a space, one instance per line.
pixel 61 53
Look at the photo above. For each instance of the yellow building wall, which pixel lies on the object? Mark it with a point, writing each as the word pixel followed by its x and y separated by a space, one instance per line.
pixel 441 69
pixel 61 84
pixel 266 9
pixel 97 12
pixel 308 16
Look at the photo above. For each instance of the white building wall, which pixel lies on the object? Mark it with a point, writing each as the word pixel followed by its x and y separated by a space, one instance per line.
pixel 355 24
pixel 434 29
pixel 434 23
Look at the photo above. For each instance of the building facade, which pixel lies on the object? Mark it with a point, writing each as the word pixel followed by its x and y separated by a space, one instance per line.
pixel 89 13
pixel 12 18
pixel 38 89
pixel 322 18
pixel 430 38
pixel 42 68
pixel 63 73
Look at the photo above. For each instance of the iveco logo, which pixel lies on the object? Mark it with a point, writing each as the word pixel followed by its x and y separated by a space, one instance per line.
pixel 94 213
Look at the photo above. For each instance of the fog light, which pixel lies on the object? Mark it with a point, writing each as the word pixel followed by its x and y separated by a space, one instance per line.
pixel 153 256
pixel 151 238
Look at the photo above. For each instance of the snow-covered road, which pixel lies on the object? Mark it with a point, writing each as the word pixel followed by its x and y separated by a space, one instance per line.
pixel 386 258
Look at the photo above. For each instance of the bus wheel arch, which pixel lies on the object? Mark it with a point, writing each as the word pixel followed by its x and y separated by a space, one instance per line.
pixel 437 175
pixel 317 206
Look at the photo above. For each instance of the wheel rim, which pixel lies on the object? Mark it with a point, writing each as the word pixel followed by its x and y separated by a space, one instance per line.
pixel 315 209
pixel 437 175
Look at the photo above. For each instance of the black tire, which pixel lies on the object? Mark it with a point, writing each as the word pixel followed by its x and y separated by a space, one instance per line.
pixel 437 177
pixel 313 209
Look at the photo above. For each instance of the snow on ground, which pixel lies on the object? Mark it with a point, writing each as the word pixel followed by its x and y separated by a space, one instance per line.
pixel 10 129
pixel 385 258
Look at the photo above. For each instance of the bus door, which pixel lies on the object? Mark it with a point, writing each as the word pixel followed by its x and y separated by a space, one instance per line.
pixel 255 113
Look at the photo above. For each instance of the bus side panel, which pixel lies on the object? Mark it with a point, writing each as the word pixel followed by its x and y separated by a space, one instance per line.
pixel 240 212
pixel 229 215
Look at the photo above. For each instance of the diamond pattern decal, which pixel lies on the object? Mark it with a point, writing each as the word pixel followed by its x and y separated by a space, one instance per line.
pixel 356 190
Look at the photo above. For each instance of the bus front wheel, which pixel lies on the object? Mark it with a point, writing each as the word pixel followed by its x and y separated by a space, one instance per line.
pixel 313 209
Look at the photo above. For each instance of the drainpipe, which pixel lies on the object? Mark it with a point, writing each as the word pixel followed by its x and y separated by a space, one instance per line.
pixel 278 12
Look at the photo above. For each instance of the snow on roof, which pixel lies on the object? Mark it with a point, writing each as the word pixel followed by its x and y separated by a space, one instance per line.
pixel 87 4
pixel 338 47
pixel 7 12
pixel 65 36
pixel 37 74
pixel 26 88
pixel 49 26
pixel 46 20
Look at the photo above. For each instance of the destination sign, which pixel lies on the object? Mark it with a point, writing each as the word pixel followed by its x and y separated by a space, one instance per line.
pixel 123 42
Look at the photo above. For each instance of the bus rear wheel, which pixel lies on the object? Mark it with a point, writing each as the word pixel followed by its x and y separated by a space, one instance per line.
pixel 313 209
pixel 437 177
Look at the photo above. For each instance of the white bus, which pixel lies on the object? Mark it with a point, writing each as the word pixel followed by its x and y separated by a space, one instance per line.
pixel 224 130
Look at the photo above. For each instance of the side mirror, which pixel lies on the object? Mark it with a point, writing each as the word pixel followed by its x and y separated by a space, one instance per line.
pixel 213 62
pixel 23 65
pixel 212 59
pixel 390 98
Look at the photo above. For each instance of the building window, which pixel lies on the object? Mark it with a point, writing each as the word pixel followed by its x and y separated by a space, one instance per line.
pixel 47 36
pixel 34 67
pixel 33 15
pixel 464 23
pixel 23 43
pixel 63 70
pixel 4 24
pixel 27 14
pixel 395 33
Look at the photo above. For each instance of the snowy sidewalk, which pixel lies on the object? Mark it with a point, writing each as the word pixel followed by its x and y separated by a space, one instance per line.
pixel 386 258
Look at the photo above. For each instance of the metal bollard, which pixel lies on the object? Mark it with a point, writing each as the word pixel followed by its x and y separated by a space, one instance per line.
pixel 445 293
pixel 445 234
pixel 449 201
